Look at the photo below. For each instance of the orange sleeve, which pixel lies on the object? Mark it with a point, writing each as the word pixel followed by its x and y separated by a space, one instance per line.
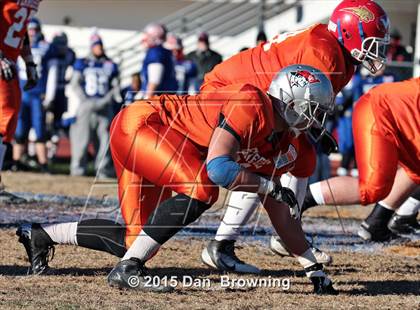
pixel 242 113
pixel 319 60
pixel 306 160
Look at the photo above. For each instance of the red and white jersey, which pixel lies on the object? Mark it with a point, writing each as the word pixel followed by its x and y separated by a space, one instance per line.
pixel 15 17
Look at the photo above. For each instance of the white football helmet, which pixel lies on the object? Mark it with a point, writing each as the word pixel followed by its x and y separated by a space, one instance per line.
pixel 303 96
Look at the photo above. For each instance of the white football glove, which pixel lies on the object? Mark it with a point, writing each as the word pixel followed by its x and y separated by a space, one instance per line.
pixel 7 68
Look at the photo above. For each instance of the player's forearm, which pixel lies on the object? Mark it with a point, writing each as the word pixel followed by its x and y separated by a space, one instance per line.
pixel 25 52
pixel 52 84
pixel 289 229
pixel 150 90
pixel 76 86
pixel 247 182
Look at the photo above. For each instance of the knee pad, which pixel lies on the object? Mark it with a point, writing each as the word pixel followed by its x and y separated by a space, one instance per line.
pixel 172 215
pixel 102 235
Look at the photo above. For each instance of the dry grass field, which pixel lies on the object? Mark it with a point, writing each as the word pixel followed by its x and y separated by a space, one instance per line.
pixel 385 279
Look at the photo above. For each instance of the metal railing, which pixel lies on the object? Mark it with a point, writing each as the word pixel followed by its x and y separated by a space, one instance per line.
pixel 219 19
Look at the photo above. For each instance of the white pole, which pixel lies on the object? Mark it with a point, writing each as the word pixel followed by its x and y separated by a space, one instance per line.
pixel 417 48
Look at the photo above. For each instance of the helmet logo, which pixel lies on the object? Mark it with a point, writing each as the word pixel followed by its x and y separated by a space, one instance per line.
pixel 383 24
pixel 301 78
pixel 362 12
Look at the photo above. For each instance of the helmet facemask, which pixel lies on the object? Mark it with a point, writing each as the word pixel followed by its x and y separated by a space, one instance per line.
pixel 301 114
pixel 373 53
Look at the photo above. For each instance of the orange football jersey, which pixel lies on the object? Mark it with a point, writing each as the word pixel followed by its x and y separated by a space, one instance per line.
pixel 14 19
pixel 397 116
pixel 314 46
pixel 249 113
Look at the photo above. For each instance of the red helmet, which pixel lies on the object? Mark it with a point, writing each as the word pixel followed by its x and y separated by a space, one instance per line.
pixel 362 27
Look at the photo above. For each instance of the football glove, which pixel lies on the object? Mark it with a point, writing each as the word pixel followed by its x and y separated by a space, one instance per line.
pixel 284 194
pixel 7 68
pixel 322 284
pixel 32 75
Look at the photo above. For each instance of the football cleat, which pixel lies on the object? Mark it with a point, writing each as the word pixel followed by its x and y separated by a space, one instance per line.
pixel 130 274
pixel 38 246
pixel 221 255
pixel 278 247
pixel 378 233
pixel 404 224
pixel 323 286
pixel 9 198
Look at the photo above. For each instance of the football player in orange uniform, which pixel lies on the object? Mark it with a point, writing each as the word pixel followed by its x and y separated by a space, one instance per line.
pixel 357 33
pixel 14 41
pixel 237 137
pixel 386 131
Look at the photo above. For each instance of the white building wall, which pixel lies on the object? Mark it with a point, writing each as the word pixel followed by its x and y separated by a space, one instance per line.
pixel 112 14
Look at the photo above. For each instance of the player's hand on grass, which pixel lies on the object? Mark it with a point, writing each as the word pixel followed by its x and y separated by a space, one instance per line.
pixel 322 284
pixel 32 75
pixel 284 194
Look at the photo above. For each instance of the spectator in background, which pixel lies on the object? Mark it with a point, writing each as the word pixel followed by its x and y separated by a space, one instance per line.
pixel 344 113
pixel 261 37
pixel 398 53
pixel 158 72
pixel 205 59
pixel 32 114
pixel 62 57
pixel 95 83
pixel 360 84
pixel 185 69
pixel 130 93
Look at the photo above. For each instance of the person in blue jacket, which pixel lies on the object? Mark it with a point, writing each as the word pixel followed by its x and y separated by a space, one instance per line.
pixel 32 112
pixel 158 70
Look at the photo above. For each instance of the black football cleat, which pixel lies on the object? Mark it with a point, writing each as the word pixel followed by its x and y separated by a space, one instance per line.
pixel 130 274
pixel 377 233
pixel 38 246
pixel 404 224
pixel 323 286
pixel 221 255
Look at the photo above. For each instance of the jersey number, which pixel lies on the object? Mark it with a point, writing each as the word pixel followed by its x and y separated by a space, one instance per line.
pixel 281 37
pixel 96 84
pixel 21 16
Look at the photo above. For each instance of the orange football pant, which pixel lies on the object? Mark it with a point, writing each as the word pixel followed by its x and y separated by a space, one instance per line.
pixel 151 160
pixel 376 156
pixel 10 98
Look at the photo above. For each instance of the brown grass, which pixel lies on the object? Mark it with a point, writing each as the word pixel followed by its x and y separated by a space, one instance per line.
pixel 79 281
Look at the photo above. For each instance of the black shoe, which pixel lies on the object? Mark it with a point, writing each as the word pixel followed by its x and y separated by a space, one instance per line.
pixel 323 286
pixel 38 246
pixel 379 233
pixel 9 198
pixel 221 255
pixel 404 224
pixel 131 274
pixel 20 166
pixel 44 168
